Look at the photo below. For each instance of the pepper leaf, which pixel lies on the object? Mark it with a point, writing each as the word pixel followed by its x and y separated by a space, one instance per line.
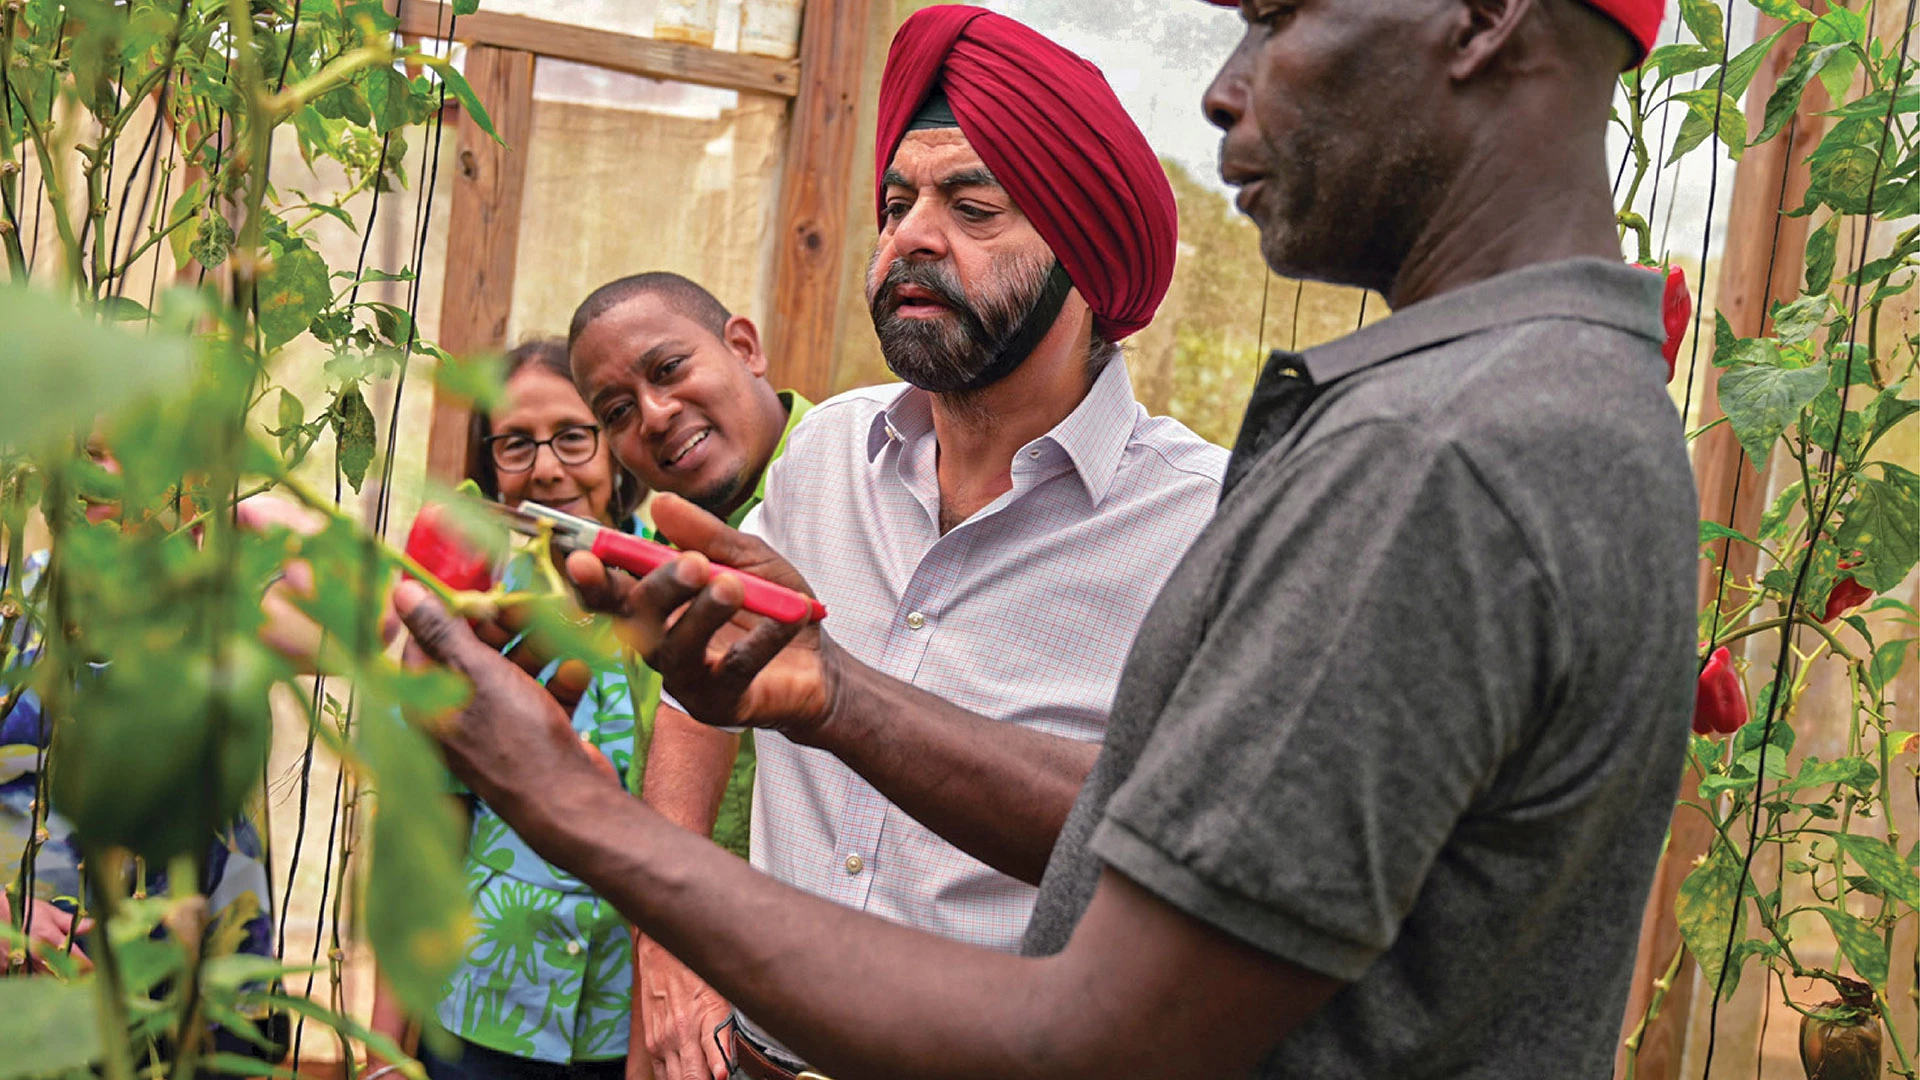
pixel 389 98
pixel 1702 116
pixel 1855 772
pixel 1761 401
pixel 292 292
pixel 1781 511
pixel 353 432
pixel 1883 865
pixel 1714 530
pixel 1785 10
pixel 1887 661
pixel 1882 522
pixel 48 1026
pixel 1843 166
pixel 457 83
pixel 1820 254
pixel 1860 945
pixel 1797 321
pixel 292 416
pixel 1704 19
pixel 1707 910
pixel 1785 99
pixel 1888 409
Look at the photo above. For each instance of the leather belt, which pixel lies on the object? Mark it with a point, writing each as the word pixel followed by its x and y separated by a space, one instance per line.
pixel 750 1061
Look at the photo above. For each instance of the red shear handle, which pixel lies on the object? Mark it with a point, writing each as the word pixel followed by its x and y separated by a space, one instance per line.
pixel 642 557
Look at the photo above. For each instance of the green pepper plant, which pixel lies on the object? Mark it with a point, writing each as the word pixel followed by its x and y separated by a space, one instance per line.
pixel 138 638
pixel 1806 862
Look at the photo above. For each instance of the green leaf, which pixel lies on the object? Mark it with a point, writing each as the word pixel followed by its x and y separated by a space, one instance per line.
pixel 1839 24
pixel 1797 321
pixel 1680 57
pixel 1701 118
pixel 48 1026
pixel 1807 62
pixel 1764 352
pixel 1889 408
pixel 1713 530
pixel 292 415
pixel 1704 19
pixel 1741 69
pixel 1855 772
pixel 1761 402
pixel 353 432
pixel 1883 865
pixel 1778 514
pixel 62 369
pixel 1707 908
pixel 1887 661
pixel 465 7
pixel 1843 167
pixel 416 908
pixel 212 240
pixel 457 83
pixel 1820 255
pixel 1882 522
pixel 1861 946
pixel 292 292
pixel 1785 10
pixel 389 98
pixel 473 380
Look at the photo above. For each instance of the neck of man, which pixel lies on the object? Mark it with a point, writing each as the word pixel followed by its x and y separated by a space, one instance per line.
pixel 978 432
pixel 1526 194
pixel 771 425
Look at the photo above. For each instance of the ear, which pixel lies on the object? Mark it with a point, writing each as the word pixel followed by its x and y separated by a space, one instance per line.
pixel 1486 29
pixel 743 338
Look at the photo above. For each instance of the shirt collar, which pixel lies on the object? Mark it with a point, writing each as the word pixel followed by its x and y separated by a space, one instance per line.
pixel 1588 289
pixel 1093 437
pixel 797 406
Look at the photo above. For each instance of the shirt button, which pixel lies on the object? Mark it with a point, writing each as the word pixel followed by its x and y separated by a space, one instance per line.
pixel 855 864
pixel 573 948
pixel 914 622
pixel 1035 452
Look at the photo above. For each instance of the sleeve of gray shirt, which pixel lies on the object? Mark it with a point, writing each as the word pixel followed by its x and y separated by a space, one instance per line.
pixel 1379 637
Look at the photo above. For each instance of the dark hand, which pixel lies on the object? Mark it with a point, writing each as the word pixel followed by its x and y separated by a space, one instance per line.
pixel 512 741
pixel 569 681
pixel 727 666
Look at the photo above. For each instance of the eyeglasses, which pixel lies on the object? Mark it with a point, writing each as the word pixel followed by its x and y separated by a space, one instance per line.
pixel 571 446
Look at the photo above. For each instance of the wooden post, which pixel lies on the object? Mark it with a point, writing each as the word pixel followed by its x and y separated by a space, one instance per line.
pixel 483 235
pixel 1769 181
pixel 812 218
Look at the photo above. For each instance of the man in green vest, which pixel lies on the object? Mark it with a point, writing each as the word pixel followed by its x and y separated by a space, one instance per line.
pixel 679 385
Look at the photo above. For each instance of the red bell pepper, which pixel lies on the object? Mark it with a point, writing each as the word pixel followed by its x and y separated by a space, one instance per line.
pixel 1720 702
pixel 1676 313
pixel 435 543
pixel 1847 593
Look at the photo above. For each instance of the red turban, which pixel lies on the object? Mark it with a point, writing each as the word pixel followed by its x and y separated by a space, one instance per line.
pixel 1048 126
pixel 1639 18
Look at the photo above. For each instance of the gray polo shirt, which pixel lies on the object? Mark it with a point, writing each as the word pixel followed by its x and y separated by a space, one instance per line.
pixel 1411 712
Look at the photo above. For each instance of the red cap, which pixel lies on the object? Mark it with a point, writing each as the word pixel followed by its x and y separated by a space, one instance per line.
pixel 1639 18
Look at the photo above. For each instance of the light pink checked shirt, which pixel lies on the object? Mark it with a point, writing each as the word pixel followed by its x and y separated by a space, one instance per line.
pixel 1024 613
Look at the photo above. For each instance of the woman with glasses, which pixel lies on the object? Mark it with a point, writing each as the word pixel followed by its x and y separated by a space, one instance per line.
pixel 544 990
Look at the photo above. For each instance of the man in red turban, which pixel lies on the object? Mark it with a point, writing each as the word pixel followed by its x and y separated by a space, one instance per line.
pixel 1024 227
pixel 1387 772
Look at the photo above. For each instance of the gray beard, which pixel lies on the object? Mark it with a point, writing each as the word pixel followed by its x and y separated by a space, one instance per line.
pixel 949 356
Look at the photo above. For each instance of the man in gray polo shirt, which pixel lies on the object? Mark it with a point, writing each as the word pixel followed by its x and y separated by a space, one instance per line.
pixel 1387 772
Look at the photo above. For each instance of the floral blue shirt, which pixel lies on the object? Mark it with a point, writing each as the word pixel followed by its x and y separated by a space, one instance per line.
pixel 236 885
pixel 547 973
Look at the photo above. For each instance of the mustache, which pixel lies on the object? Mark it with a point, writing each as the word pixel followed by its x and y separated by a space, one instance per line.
pixel 937 278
